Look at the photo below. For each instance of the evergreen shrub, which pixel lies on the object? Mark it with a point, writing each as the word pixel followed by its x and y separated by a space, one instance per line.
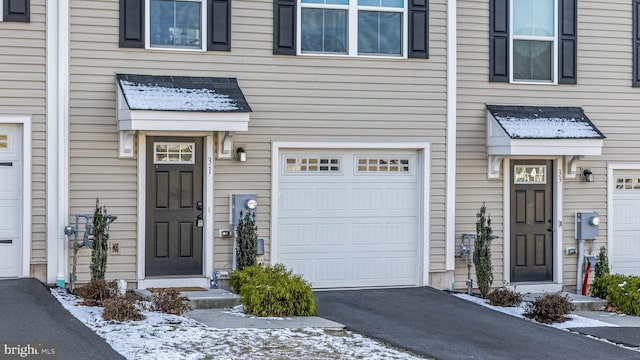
pixel 273 291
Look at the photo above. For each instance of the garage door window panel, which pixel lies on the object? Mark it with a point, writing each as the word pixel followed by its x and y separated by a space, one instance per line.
pixel 302 165
pixel 4 142
pixel 628 183
pixel 382 165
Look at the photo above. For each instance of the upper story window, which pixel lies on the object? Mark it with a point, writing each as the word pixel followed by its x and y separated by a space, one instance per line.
pixel 176 24
pixel 353 27
pixel 533 41
pixel 389 28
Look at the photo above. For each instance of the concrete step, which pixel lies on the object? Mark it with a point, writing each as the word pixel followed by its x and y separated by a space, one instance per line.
pixel 582 303
pixel 209 299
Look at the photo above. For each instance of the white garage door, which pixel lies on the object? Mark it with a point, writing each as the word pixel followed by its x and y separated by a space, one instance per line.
pixel 350 218
pixel 10 191
pixel 625 258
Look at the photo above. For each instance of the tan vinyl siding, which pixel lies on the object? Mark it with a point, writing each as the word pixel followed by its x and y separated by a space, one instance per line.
pixel 604 92
pixel 294 98
pixel 22 92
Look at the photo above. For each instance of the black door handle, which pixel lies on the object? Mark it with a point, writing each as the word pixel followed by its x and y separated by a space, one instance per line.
pixel 6 163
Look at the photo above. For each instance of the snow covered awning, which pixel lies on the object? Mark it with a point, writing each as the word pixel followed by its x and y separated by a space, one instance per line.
pixel 541 131
pixel 147 102
pixel 178 103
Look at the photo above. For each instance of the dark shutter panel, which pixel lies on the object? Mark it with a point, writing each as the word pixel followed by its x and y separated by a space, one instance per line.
pixel 132 23
pixel 284 27
pixel 567 72
pixel 419 29
pixel 219 25
pixel 499 40
pixel 636 43
pixel 16 10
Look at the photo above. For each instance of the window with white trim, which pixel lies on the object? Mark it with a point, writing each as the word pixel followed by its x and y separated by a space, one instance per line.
pixel 533 40
pixel 530 174
pixel 176 24
pixel 353 27
pixel 174 153
pixel 189 25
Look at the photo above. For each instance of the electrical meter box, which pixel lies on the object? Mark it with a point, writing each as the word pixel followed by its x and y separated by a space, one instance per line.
pixel 587 225
pixel 241 203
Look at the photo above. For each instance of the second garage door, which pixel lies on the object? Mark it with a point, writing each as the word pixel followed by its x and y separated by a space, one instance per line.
pixel 350 218
pixel 625 245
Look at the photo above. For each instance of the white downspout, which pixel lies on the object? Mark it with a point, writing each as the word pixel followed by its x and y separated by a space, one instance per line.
pixel 451 140
pixel 57 93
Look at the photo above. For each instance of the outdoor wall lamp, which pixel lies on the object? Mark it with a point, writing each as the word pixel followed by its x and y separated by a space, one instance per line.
pixel 588 175
pixel 242 154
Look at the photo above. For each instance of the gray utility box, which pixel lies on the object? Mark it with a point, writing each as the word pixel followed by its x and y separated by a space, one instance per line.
pixel 587 225
pixel 245 203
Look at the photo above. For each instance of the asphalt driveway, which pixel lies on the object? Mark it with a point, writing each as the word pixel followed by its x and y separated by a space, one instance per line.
pixel 436 324
pixel 31 316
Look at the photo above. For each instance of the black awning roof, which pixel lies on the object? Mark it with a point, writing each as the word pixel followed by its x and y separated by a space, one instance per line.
pixel 544 122
pixel 182 93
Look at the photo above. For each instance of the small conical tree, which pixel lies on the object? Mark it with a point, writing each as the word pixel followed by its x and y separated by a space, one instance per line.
pixel 602 265
pixel 482 252
pixel 98 264
pixel 247 241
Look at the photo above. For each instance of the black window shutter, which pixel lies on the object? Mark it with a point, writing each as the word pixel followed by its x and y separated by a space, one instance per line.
pixel 132 23
pixel 219 25
pixel 284 27
pixel 16 10
pixel 568 38
pixel 499 40
pixel 419 29
pixel 636 43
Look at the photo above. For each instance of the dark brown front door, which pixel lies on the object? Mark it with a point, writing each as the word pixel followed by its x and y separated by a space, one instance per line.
pixel 531 220
pixel 174 206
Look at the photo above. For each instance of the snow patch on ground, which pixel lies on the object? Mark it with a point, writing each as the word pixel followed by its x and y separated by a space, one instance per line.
pixel 164 336
pixel 575 321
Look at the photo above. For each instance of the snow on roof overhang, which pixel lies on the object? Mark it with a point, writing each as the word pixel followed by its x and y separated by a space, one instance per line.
pixel 541 130
pixel 180 103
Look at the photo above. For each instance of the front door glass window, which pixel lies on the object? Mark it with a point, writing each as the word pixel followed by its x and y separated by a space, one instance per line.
pixel 173 153
pixel 530 174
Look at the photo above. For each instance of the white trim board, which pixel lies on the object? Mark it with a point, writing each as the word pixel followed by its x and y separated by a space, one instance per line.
pixel 450 196
pixel 424 149
pixel 25 226
pixel 57 116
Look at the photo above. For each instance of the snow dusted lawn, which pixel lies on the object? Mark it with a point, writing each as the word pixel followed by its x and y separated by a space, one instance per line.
pixel 163 336
pixel 574 321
